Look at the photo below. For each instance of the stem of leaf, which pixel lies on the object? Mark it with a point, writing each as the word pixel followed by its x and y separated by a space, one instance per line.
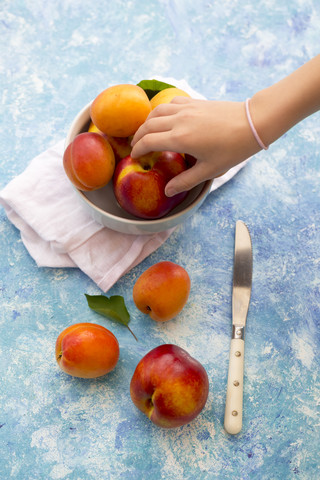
pixel 131 332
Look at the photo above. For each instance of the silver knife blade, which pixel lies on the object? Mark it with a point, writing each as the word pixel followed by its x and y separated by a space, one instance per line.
pixel 242 274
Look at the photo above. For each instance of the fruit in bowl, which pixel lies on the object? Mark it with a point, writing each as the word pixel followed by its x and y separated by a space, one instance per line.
pixel 120 145
pixel 139 184
pixel 87 350
pixel 100 200
pixel 169 386
pixel 119 110
pixel 89 161
pixel 162 291
pixel 166 95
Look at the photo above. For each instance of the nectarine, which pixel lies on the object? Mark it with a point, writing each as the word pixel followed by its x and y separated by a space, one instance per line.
pixel 87 350
pixel 139 183
pixel 162 291
pixel 89 161
pixel 121 146
pixel 169 386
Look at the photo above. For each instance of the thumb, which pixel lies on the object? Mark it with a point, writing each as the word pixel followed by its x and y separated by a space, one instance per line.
pixel 185 180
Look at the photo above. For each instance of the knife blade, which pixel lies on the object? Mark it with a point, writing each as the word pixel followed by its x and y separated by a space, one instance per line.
pixel 242 281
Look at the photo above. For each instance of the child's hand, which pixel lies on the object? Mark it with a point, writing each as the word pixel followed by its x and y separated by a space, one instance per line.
pixel 216 133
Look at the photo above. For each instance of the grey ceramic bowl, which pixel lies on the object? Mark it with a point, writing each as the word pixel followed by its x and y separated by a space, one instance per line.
pixel 104 208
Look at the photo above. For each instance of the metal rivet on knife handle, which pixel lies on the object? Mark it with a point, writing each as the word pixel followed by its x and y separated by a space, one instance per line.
pixel 237 353
pixel 236 383
pixel 234 413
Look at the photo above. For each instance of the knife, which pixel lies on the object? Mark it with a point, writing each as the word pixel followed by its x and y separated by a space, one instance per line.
pixel 242 280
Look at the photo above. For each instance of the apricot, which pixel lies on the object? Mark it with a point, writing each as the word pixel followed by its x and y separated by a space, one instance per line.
pixel 87 350
pixel 93 128
pixel 119 110
pixel 89 161
pixel 166 95
pixel 162 291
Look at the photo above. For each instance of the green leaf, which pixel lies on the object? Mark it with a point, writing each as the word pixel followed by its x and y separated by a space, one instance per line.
pixel 113 308
pixel 152 87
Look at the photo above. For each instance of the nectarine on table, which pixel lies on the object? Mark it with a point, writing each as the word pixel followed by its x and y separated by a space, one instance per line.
pixel 162 290
pixel 87 350
pixel 169 386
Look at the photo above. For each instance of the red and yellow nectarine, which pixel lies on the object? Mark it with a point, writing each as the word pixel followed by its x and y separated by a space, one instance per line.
pixel 121 146
pixel 139 184
pixel 169 386
pixel 89 161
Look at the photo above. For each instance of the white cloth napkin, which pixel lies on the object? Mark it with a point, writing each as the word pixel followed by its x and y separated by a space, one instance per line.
pixel 57 230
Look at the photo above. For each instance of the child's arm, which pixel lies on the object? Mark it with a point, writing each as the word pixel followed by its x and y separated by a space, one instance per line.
pixel 218 133
pixel 278 108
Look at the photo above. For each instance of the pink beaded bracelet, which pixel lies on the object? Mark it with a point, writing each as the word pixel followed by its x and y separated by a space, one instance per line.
pixel 254 131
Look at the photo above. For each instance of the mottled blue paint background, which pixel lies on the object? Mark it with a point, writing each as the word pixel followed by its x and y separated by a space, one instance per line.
pixel 55 57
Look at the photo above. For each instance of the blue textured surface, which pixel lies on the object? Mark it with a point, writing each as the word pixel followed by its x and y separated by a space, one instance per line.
pixel 55 57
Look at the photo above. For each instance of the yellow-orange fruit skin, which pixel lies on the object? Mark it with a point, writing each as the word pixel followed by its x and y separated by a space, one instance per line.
pixel 166 95
pixel 162 291
pixel 87 350
pixel 119 110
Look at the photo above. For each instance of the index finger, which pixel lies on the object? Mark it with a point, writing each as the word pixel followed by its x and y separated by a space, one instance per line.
pixel 153 142
pixel 152 125
pixel 160 112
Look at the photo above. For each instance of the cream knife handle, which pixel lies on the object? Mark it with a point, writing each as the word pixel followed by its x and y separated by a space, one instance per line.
pixel 234 400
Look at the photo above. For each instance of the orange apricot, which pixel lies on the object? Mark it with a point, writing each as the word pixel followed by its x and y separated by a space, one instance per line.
pixel 162 291
pixel 87 350
pixel 119 110
pixel 166 95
